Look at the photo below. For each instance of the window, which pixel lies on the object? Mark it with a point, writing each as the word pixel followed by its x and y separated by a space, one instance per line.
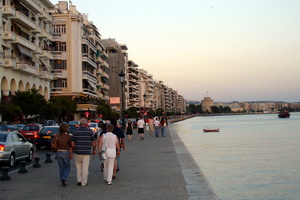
pixel 59 28
pixel 62 83
pixel 58 64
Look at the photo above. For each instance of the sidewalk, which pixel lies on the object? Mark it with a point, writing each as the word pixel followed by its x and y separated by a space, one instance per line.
pixel 149 169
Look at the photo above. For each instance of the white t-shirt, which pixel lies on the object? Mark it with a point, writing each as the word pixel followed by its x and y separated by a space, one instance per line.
pixel 141 123
pixel 156 123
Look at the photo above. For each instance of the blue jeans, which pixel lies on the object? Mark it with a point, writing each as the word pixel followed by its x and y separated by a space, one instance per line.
pixel 157 131
pixel 63 159
pixel 162 130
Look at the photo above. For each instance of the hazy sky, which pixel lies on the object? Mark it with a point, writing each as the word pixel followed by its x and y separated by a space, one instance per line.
pixel 237 50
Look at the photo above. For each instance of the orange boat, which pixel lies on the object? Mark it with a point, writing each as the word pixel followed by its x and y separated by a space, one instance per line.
pixel 211 130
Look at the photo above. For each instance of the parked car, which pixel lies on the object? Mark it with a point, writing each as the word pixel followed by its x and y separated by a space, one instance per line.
pixel 45 136
pixel 20 126
pixel 14 147
pixel 8 127
pixel 73 125
pixel 30 131
pixel 94 127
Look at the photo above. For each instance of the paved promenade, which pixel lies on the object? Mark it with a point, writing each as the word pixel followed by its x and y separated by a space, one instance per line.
pixel 156 168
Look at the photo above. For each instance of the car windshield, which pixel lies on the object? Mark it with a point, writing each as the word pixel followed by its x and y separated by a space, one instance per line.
pixel 30 128
pixel 92 125
pixel 3 137
pixel 49 130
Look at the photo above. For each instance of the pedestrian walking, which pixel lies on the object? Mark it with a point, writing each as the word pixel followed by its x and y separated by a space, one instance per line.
pixel 156 124
pixel 151 125
pixel 64 152
pixel 119 133
pixel 163 124
pixel 84 145
pixel 129 130
pixel 101 132
pixel 141 126
pixel 109 142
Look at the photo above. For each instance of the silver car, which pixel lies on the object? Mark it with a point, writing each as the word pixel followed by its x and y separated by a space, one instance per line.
pixel 14 147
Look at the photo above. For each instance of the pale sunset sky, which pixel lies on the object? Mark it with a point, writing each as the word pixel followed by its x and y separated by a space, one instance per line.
pixel 236 50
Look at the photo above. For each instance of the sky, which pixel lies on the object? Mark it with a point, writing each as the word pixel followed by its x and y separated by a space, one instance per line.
pixel 230 50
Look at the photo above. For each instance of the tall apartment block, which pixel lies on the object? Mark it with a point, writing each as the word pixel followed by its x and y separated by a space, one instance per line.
pixel 146 93
pixel 79 65
pixel 24 46
pixel 133 84
pixel 118 61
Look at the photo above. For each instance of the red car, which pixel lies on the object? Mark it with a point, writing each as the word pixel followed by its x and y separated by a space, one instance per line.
pixel 30 131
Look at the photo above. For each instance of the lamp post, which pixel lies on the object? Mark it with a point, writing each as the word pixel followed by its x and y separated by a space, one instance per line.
pixel 122 81
pixel 144 96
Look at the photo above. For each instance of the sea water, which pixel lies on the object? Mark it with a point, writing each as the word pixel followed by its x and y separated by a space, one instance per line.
pixel 253 157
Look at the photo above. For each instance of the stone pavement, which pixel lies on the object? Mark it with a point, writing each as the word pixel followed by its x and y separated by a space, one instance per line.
pixel 156 168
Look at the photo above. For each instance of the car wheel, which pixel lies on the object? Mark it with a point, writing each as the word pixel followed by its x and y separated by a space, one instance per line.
pixel 38 146
pixel 12 159
pixel 30 155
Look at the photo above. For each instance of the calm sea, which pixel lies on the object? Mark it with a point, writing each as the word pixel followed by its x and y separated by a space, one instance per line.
pixel 255 157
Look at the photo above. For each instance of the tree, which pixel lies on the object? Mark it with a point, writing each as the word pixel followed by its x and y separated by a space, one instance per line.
pixel 9 111
pixel 132 112
pixel 159 111
pixel 67 107
pixel 30 102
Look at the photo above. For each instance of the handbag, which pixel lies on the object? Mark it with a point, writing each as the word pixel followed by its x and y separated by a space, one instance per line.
pixel 54 144
pixel 102 155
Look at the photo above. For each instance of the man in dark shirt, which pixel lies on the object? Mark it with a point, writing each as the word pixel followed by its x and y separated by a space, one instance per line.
pixel 121 137
pixel 83 140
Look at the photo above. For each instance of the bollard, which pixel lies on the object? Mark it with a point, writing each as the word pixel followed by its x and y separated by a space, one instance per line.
pixel 48 159
pixel 22 169
pixel 36 163
pixel 5 176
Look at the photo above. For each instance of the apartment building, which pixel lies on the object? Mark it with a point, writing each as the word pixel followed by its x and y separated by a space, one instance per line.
pixel 159 95
pixel 133 84
pixel 24 46
pixel 79 65
pixel 180 104
pixel 146 94
pixel 118 61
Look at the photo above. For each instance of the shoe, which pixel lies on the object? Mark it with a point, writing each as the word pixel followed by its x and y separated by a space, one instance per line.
pixel 79 183
pixel 142 138
pixel 114 177
pixel 63 182
pixel 85 185
pixel 102 167
pixel 109 183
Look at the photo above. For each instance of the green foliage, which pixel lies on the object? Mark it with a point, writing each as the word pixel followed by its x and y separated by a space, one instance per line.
pixel 9 111
pixel 132 112
pixel 65 106
pixel 30 102
pixel 51 111
pixel 194 109
pixel 105 110
pixel 159 112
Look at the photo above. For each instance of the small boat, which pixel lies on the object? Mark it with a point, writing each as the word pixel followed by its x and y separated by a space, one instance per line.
pixel 284 114
pixel 211 130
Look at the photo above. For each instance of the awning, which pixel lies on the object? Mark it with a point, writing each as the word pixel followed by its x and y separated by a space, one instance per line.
pixel 105 92
pixel 92 84
pixel 47 65
pixel 28 53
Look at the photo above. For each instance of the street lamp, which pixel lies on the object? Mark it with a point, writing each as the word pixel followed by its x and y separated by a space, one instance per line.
pixel 122 81
pixel 144 96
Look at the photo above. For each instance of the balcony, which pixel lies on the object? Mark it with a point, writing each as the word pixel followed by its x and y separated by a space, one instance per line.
pixel 8 11
pixel 86 58
pixel 57 73
pixel 45 16
pixel 38 50
pixel 9 36
pixel 24 21
pixel 86 40
pixel 57 90
pixel 89 76
pixel 56 36
pixel 104 64
pixel 33 5
pixel 102 86
pixel 9 62
pixel 56 55
pixel 37 29
pixel 45 75
pixel 90 92
pixel 26 68
pixel 24 42
pixel 44 34
pixel 47 55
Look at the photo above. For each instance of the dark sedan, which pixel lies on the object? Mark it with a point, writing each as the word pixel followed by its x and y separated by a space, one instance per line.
pixel 45 136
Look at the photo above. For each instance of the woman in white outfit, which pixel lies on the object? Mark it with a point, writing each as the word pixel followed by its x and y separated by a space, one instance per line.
pixel 110 143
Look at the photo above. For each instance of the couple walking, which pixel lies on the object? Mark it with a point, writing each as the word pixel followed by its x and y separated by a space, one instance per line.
pixel 159 125
pixel 81 143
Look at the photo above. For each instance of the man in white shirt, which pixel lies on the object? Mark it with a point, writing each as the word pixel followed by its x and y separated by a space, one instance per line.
pixel 141 125
pixel 156 126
